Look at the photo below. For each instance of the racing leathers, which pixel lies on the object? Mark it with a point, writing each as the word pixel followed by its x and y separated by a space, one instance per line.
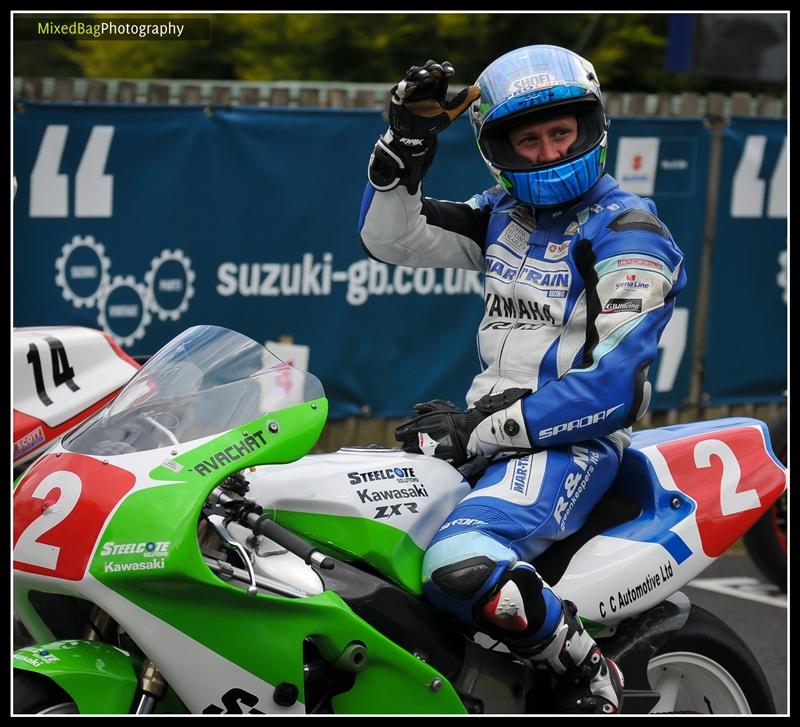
pixel 575 300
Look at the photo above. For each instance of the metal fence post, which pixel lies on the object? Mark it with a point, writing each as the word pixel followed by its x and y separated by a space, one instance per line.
pixel 716 122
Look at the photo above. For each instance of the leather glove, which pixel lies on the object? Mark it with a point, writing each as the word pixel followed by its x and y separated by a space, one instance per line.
pixel 418 111
pixel 495 424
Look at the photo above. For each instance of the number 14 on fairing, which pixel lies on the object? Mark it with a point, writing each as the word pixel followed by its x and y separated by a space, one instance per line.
pixel 62 371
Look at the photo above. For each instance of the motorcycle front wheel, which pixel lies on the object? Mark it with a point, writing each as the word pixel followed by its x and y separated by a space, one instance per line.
pixel 34 694
pixel 705 668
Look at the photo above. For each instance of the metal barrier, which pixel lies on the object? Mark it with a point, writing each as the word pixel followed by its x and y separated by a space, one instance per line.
pixel 333 94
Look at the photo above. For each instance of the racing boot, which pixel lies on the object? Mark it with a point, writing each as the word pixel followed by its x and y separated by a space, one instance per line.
pixel 586 681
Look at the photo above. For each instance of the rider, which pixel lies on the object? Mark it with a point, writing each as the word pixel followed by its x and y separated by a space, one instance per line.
pixel 580 281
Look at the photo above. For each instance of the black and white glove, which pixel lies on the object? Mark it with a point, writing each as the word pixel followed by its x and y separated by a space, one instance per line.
pixel 418 111
pixel 494 425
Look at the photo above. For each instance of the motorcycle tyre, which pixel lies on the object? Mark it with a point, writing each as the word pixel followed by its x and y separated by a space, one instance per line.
pixel 711 645
pixel 35 694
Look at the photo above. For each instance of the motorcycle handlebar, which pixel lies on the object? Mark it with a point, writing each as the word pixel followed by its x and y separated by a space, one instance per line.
pixel 263 525
pixel 249 514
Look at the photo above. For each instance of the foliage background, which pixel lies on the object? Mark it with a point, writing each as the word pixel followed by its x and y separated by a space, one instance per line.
pixel 628 50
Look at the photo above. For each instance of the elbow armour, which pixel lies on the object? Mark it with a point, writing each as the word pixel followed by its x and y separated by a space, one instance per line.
pixel 642 392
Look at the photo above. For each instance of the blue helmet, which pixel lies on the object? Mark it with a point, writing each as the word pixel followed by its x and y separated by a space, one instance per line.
pixel 533 84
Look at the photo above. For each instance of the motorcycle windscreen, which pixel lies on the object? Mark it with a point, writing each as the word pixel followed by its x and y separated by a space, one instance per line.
pixel 204 382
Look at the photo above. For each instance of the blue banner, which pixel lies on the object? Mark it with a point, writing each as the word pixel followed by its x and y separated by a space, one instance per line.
pixel 667 160
pixel 746 357
pixel 145 220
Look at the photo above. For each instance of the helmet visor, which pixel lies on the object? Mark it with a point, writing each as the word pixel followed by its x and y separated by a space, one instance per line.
pixel 495 141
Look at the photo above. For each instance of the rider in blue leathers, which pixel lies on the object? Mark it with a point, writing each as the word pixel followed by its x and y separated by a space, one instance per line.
pixel 580 281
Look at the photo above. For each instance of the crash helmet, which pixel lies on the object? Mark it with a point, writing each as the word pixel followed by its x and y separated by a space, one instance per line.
pixel 535 84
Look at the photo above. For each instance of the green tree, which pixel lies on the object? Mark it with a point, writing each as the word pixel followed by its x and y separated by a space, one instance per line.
pixel 627 49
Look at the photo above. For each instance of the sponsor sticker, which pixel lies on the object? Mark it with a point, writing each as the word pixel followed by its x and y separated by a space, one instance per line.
pixel 578 423
pixel 35 656
pixel 515 236
pixel 631 283
pixel 575 483
pixel 226 456
pixel 555 282
pixel 171 464
pixel 556 250
pixel 466 522
pixel 639 262
pixel 572 228
pixel 25 444
pixel 398 474
pixel 150 549
pixel 113 567
pixel 623 305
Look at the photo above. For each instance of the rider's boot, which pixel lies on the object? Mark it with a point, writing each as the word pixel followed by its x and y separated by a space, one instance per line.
pixel 586 680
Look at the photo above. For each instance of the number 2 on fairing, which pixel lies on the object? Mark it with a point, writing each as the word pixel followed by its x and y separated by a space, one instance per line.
pixel 730 500
pixel 61 506
pixel 28 548
pixel 728 475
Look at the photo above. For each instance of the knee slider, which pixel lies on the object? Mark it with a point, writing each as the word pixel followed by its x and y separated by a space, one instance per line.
pixel 464 580
pixel 457 572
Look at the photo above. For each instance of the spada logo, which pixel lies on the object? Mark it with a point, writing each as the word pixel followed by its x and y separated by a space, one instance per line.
pixel 125 306
pixel 578 423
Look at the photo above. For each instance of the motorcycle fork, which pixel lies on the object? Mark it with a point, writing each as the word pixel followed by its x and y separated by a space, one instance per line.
pixel 153 687
pixel 152 684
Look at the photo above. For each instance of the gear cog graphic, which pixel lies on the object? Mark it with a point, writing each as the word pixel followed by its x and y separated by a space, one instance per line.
pixel 174 313
pixel 104 264
pixel 127 281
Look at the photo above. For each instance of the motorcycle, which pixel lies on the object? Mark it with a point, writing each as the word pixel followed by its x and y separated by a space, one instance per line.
pixel 767 542
pixel 62 375
pixel 182 552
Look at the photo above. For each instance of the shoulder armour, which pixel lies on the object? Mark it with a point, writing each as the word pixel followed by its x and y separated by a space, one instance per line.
pixel 638 220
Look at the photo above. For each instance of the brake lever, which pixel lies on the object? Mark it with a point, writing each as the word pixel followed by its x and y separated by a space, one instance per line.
pixel 233 544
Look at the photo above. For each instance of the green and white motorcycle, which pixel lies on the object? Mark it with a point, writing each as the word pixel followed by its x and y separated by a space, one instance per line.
pixel 181 552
